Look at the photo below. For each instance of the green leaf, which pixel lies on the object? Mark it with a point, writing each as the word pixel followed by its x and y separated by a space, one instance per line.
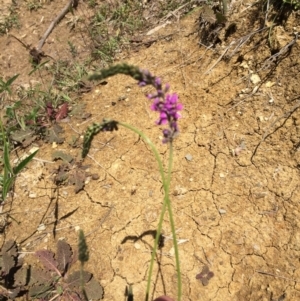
pixel 7 166
pixel 22 164
pixel 5 86
pixel 6 187
pixel 12 79
pixel 37 67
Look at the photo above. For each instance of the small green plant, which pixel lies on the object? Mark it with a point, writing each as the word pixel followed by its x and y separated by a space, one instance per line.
pixel 9 22
pixel 112 26
pixel 72 49
pixel 10 173
pixel 67 77
pixel 5 86
pixel 34 5
pixel 92 3
pixel 168 108
pixel 11 112
pixel 55 281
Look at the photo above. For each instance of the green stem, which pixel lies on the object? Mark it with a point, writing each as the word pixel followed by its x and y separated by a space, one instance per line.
pixel 166 204
pixel 179 286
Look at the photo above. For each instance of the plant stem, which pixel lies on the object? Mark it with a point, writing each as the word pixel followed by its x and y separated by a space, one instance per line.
pixel 166 204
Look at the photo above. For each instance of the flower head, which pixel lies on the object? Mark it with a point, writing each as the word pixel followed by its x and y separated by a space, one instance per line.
pixel 166 105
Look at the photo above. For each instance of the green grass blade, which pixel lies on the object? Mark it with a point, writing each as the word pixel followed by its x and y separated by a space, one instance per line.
pixel 7 166
pixel 11 80
pixel 23 163
pixel 37 67
pixel 6 187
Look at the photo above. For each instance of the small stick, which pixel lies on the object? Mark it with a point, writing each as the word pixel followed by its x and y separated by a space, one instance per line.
pixel 60 16
pixel 218 60
pixel 276 276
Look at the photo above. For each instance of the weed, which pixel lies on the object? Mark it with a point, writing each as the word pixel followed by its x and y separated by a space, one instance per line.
pixel 110 27
pixel 72 49
pixel 10 173
pixel 92 3
pixel 9 22
pixel 106 50
pixel 34 5
pixel 11 114
pixel 168 107
pixel 5 86
pixel 55 281
pixel 67 77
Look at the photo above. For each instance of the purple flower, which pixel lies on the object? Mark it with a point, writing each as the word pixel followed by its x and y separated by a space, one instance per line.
pixel 166 105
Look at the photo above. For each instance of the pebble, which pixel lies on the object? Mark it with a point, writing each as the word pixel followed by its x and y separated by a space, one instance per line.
pixel 137 245
pixel 255 79
pixel 189 157
pixel 41 227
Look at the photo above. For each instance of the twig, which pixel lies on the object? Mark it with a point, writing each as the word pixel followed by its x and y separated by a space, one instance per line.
pixel 60 16
pixel 240 42
pixel 218 60
pixel 25 45
pixel 172 13
pixel 276 276
pixel 42 160
pixel 282 51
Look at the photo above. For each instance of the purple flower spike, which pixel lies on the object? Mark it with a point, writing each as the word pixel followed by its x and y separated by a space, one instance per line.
pixel 166 105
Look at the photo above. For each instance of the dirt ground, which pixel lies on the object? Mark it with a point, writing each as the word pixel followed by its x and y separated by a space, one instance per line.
pixel 235 183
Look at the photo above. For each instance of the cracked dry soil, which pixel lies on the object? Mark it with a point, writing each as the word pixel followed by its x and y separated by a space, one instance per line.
pixel 235 183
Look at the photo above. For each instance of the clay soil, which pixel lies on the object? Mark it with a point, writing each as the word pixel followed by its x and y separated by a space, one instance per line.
pixel 235 183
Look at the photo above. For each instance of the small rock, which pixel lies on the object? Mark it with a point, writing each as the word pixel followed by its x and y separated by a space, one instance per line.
pixel 269 84
pixel 137 246
pixel 222 211
pixel 189 157
pixel 255 79
pixel 41 227
pixel 255 89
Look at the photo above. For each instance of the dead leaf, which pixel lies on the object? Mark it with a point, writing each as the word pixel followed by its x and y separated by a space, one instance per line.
pixel 63 156
pixel 94 290
pixel 77 177
pixel 53 134
pixel 64 256
pixel 25 137
pixel 62 112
